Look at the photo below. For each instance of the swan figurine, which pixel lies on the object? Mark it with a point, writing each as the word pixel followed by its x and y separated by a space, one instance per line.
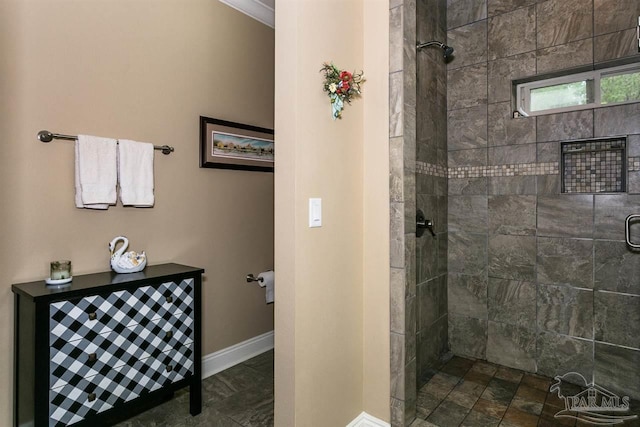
pixel 126 262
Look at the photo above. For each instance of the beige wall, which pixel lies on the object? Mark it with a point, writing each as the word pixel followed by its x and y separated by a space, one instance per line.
pixel 144 70
pixel 332 324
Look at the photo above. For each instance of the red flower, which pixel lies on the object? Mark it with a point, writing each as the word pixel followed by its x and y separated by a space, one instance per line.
pixel 345 76
pixel 345 86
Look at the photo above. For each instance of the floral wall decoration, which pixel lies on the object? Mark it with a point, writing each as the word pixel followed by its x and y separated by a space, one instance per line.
pixel 341 86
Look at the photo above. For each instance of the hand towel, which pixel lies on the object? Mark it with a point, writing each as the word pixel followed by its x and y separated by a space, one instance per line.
pixel 135 171
pixel 268 281
pixel 95 172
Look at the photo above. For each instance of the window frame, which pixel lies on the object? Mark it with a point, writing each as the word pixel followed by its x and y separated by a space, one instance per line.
pixel 523 90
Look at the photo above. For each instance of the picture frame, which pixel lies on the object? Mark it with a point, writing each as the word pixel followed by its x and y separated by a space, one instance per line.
pixel 231 145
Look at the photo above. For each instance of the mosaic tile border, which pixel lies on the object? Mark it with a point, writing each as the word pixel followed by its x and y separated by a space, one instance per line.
pixel 431 169
pixel 515 169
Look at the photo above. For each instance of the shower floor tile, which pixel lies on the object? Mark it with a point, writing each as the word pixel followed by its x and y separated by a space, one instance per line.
pixel 489 395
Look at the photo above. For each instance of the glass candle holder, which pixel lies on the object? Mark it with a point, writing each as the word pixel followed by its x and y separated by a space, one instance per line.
pixel 60 270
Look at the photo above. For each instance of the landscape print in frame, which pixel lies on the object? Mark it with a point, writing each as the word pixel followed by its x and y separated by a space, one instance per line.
pixel 230 145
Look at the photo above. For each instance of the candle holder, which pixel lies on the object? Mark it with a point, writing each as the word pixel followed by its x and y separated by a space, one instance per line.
pixel 60 273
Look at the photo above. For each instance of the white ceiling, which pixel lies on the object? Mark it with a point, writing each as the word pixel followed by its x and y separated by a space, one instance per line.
pixel 260 10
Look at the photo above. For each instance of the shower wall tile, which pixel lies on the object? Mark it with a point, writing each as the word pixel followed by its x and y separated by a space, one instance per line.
pixel 468 336
pixel 467 253
pixel 462 12
pixel 502 71
pixel 410 329
pixel 409 185
pixel 425 184
pixel 509 154
pixel 565 56
pixel 443 242
pixel 505 130
pixel 511 346
pixel 440 219
pixel 440 185
pixel 617 319
pixel 496 7
pixel 611 210
pixel 615 15
pixel 617 268
pixel 565 215
pixel 564 21
pixel 396 104
pixel 410 386
pixel 633 145
pixel 565 310
pixel 470 43
pixel 397 249
pixel 512 302
pixel 474 157
pixel 512 33
pixel 432 302
pixel 467 128
pixel 396 172
pixel 560 354
pixel 617 120
pixel 395 3
pixel 410 267
pixel 514 215
pixel 431 17
pixel 633 183
pixel 511 185
pixel 468 213
pixel 467 295
pixel 548 185
pixel 397 300
pixel 395 39
pixel 616 369
pixel 397 352
pixel 616 45
pixel 426 257
pixel 565 261
pixel 432 344
pixel 467 86
pixel 512 257
pixel 548 152
pixel 467 186
pixel 565 126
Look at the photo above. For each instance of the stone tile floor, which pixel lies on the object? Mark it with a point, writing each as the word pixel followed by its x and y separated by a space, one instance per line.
pixel 469 393
pixel 241 396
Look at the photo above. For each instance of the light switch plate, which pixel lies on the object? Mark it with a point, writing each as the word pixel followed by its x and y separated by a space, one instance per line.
pixel 315 212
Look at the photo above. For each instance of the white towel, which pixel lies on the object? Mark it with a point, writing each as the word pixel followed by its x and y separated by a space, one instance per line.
pixel 96 172
pixel 268 281
pixel 135 171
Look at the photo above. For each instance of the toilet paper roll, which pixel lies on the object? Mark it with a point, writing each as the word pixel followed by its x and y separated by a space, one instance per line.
pixel 268 281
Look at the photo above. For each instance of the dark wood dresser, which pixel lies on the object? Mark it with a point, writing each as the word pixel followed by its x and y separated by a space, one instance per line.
pixel 107 347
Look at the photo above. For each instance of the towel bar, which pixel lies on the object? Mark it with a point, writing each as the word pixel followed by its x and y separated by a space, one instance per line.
pixel 46 136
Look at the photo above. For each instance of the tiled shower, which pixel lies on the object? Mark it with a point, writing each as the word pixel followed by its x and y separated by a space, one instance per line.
pixel 518 273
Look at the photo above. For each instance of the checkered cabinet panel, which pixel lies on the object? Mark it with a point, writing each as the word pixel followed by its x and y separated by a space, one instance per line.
pixel 72 403
pixel 118 346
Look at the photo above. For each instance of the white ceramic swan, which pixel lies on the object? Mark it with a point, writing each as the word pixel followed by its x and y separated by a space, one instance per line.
pixel 126 262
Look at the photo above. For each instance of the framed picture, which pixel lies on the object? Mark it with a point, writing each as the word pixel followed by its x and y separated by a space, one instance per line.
pixel 230 145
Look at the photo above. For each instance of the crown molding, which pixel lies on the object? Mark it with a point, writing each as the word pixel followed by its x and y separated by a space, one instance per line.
pixel 255 9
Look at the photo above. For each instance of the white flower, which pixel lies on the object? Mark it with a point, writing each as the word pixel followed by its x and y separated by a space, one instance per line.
pixel 332 88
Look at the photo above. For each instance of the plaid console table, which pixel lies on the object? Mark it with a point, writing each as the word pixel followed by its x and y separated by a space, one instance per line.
pixel 107 347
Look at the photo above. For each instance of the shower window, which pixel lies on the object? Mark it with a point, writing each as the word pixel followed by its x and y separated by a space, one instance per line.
pixel 592 89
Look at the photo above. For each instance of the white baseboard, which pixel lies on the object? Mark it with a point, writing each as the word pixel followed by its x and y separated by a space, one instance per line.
pixel 366 420
pixel 238 353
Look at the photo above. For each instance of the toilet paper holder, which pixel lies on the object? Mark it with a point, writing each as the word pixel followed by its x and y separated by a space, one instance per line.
pixel 252 278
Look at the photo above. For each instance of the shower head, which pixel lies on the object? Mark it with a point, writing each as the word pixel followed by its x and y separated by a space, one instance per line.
pixel 447 50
